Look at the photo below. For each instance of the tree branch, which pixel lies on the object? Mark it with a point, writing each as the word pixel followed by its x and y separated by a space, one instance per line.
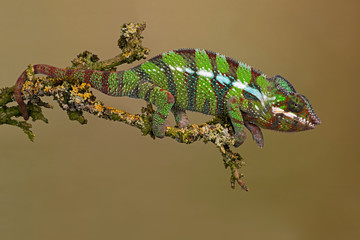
pixel 76 97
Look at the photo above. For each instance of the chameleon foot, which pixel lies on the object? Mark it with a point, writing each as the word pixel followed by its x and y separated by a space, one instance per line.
pixel 239 138
pixel 159 130
pixel 180 117
pixel 184 122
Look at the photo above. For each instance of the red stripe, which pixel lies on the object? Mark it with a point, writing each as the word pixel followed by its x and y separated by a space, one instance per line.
pixel 105 82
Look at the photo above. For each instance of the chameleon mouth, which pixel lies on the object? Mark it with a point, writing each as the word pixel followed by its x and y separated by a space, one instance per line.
pixel 314 120
pixel 308 123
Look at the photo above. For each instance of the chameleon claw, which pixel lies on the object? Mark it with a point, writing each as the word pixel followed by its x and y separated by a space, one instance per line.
pixel 159 131
pixel 237 144
pixel 239 138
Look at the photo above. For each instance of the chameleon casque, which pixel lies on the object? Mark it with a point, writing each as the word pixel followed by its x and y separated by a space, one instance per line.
pixel 202 81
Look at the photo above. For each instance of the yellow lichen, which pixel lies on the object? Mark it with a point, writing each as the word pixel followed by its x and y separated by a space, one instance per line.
pixel 87 95
pixel 74 89
pixel 98 107
pixel 84 85
pixel 47 89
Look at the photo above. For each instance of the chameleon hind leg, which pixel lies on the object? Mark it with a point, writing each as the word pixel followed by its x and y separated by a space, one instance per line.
pixel 180 117
pixel 233 109
pixel 163 100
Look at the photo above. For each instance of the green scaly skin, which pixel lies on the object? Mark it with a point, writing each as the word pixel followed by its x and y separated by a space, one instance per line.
pixel 202 81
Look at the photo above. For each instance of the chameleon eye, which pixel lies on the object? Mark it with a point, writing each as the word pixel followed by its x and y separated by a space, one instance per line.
pixel 295 104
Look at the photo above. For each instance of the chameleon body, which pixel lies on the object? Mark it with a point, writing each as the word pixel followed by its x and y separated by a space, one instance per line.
pixel 202 81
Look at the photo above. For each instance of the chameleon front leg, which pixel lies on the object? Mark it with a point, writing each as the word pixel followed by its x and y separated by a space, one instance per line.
pixel 163 100
pixel 233 110
pixel 180 117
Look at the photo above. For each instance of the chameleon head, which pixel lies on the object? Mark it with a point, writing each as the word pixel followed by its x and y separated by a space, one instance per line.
pixel 290 112
pixel 296 114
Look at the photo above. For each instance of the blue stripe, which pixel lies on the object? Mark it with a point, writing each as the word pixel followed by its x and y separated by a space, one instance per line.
pixel 222 79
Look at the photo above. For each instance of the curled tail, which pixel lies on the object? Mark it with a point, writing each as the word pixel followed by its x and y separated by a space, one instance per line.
pixel 97 79
pixel 39 68
pixel 17 94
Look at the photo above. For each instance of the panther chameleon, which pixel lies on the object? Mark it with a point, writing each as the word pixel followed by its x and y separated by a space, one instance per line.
pixel 202 81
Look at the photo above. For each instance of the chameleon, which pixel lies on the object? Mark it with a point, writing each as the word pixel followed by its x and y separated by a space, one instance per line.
pixel 202 81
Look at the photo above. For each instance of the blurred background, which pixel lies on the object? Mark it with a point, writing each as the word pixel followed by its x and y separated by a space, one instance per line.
pixel 104 180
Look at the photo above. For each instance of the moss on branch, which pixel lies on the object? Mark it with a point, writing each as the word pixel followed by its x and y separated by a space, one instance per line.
pixel 76 98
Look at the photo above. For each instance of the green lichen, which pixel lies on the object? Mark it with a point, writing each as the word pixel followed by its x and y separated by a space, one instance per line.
pixel 130 43
pixel 85 58
pixel 77 116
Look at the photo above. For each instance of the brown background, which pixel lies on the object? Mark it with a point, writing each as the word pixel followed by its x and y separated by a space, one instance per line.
pixel 105 181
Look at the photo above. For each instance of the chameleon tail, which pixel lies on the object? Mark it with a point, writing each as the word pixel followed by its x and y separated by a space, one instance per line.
pixel 17 95
pixel 53 72
pixel 39 68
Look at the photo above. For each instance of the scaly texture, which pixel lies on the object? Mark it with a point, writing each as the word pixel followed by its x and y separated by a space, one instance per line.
pixel 202 81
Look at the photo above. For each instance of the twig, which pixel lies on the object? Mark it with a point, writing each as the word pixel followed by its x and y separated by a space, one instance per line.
pixel 76 97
